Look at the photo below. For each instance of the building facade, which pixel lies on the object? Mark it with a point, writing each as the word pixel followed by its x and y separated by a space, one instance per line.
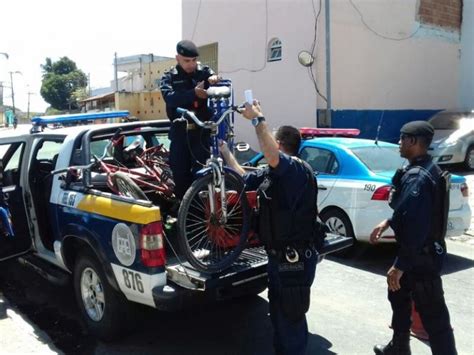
pixel 390 61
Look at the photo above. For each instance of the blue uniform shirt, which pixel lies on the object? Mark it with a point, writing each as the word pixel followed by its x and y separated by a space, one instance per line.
pixel 291 174
pixel 413 210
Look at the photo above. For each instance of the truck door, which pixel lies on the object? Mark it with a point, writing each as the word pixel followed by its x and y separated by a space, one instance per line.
pixel 15 237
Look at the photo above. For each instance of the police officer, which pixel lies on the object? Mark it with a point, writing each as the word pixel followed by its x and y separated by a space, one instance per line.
pixel 185 86
pixel 415 274
pixel 287 194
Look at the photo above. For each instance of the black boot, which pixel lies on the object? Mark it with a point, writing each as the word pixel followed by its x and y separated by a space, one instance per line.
pixel 399 345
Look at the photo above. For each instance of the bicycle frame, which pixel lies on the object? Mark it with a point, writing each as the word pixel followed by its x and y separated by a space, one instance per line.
pixel 220 101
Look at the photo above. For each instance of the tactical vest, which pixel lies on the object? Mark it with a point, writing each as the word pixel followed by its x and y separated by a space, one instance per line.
pixel 441 204
pixel 292 224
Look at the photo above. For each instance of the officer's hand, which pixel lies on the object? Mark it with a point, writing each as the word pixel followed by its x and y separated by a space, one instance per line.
pixel 393 278
pixel 378 231
pixel 213 79
pixel 199 90
pixel 252 111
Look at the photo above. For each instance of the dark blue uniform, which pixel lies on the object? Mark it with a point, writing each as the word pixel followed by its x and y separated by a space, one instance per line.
pixel 189 144
pixel 290 335
pixel 412 221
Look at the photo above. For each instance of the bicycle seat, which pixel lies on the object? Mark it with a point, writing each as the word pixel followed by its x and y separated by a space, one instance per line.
pixel 218 91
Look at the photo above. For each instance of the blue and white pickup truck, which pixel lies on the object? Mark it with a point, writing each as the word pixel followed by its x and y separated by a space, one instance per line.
pixel 115 249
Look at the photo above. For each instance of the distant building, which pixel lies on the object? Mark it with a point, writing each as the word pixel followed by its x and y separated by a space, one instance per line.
pixel 138 91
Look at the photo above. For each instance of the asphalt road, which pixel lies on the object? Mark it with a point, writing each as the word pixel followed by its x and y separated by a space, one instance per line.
pixel 349 312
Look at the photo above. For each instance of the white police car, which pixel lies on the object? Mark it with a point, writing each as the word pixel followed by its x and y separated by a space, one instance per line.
pixel 354 177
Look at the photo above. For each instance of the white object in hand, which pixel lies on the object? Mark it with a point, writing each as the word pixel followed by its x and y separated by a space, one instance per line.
pixel 248 96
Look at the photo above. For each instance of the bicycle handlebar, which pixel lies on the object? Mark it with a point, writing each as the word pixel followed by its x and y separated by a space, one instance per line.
pixel 77 167
pixel 207 124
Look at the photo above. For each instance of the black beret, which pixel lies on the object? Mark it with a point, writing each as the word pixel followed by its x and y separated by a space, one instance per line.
pixel 187 49
pixel 418 128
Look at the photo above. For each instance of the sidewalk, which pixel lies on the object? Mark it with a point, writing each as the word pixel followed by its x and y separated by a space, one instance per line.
pixel 19 336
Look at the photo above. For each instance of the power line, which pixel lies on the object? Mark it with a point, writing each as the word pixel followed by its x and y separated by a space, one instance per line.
pixel 313 48
pixel 265 51
pixel 378 34
pixel 196 20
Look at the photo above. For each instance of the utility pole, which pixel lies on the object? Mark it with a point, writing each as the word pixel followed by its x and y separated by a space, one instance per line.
pixel 13 94
pixel 327 12
pixel 1 90
pixel 28 110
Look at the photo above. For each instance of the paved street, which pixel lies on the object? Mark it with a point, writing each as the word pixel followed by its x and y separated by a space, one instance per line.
pixel 348 315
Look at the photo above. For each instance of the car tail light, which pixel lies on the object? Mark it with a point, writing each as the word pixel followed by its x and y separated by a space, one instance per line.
pixel 382 193
pixel 152 246
pixel 464 190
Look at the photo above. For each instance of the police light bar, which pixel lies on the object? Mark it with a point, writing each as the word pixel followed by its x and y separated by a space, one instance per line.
pixel 309 132
pixel 39 121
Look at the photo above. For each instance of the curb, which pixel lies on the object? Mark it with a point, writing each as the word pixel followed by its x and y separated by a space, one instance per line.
pixel 19 336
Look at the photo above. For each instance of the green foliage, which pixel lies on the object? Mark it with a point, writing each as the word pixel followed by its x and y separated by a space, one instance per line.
pixel 60 80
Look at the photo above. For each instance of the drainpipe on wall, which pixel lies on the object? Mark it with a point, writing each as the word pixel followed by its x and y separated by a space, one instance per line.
pixel 327 13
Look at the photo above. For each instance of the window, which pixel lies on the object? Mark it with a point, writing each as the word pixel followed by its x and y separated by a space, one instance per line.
pixel 10 155
pixel 274 50
pixel 321 160
pixel 379 159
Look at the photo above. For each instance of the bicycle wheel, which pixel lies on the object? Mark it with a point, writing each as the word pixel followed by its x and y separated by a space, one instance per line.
pixel 126 186
pixel 209 243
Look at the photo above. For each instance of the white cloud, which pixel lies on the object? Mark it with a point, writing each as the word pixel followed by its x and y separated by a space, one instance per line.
pixel 88 32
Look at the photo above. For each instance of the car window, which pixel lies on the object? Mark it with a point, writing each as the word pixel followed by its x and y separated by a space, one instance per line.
pixel 161 138
pixel 11 154
pixel 48 150
pixel 321 160
pixel 450 120
pixel 379 159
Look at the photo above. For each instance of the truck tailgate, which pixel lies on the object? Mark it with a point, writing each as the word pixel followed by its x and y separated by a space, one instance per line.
pixel 250 266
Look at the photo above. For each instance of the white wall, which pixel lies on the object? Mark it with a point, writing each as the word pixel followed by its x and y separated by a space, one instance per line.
pixel 367 71
pixel 467 56
pixel 283 87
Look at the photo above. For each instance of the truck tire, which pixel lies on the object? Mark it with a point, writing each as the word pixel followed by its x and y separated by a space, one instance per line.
pixel 104 310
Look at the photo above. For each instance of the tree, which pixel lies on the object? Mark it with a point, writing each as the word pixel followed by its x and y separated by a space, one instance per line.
pixel 60 80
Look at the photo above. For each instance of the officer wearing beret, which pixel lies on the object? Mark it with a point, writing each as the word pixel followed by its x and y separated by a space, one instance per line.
pixel 415 273
pixel 185 86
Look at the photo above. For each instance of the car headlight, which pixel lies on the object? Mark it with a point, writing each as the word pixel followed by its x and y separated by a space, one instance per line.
pixel 448 143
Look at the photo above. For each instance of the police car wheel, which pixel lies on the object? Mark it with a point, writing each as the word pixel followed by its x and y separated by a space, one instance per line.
pixel 101 306
pixel 469 160
pixel 339 223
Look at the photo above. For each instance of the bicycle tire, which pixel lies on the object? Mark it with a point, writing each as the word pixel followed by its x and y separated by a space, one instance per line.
pixel 218 245
pixel 126 186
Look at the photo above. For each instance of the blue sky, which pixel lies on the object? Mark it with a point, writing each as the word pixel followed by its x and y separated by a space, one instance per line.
pixel 88 32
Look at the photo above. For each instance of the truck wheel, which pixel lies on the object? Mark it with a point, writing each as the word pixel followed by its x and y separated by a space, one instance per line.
pixel 339 223
pixel 469 160
pixel 101 306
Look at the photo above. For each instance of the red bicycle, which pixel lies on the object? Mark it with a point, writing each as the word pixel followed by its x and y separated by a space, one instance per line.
pixel 136 172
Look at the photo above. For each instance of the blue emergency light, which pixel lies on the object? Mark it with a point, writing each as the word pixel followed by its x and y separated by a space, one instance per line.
pixel 71 119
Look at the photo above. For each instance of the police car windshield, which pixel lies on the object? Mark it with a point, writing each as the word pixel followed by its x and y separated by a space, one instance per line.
pixel 379 159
